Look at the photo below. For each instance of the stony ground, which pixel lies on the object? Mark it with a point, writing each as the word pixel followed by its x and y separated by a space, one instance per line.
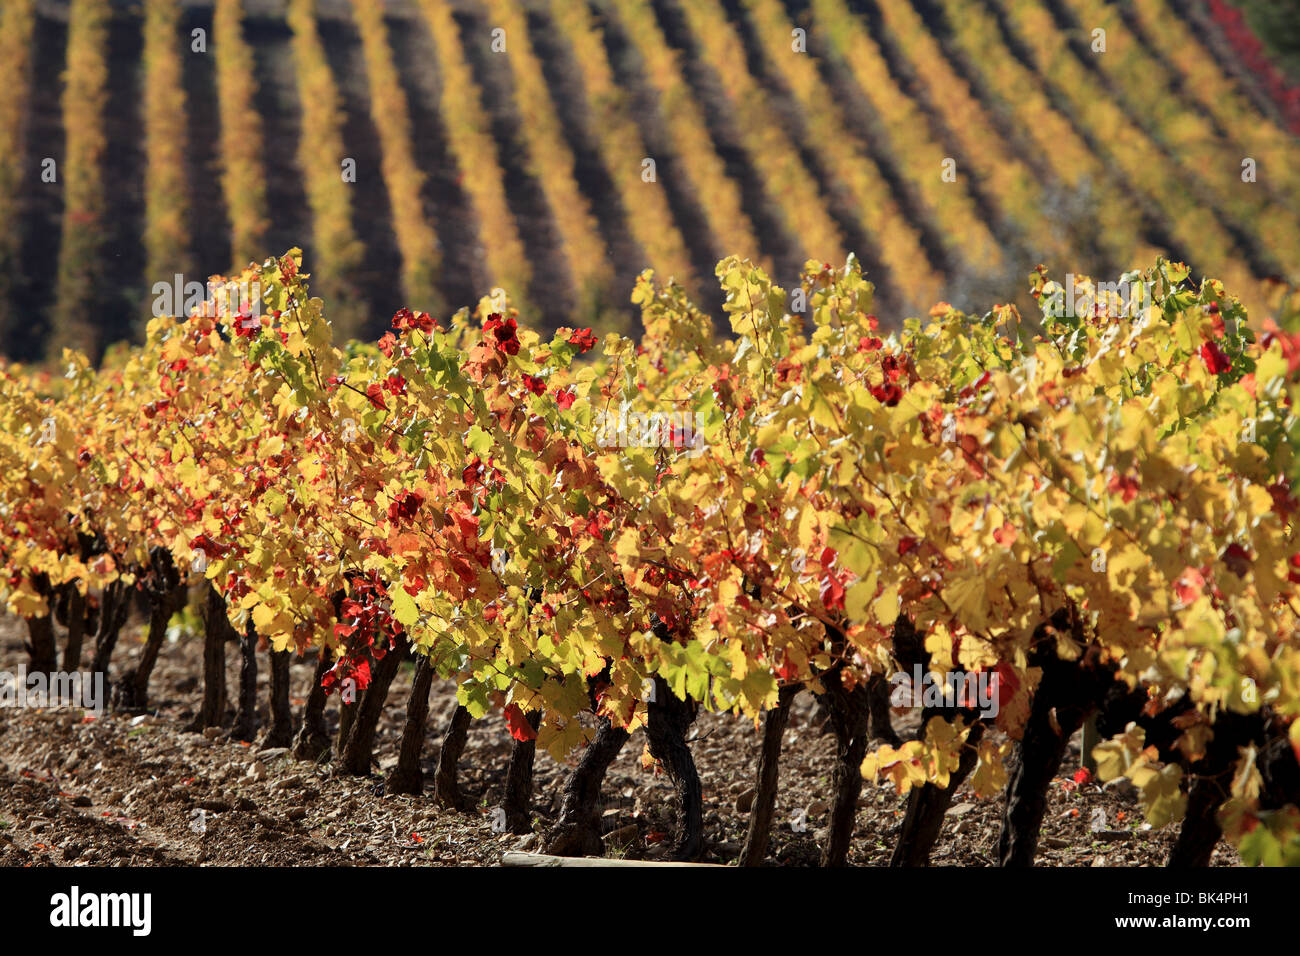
pixel 79 790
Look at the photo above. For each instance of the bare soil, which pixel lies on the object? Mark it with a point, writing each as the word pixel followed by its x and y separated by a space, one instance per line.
pixel 120 790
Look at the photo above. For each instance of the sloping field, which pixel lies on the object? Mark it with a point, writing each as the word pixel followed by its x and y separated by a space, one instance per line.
pixel 425 151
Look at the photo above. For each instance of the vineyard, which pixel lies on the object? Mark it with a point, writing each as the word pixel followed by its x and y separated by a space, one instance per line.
pixel 1092 521
pixel 747 432
pixel 425 151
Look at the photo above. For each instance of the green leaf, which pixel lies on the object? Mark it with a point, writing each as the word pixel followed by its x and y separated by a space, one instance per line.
pixel 478 441
pixel 473 697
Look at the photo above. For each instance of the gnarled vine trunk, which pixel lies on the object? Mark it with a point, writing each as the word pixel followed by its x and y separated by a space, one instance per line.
pixel 926 807
pixel 281 732
pixel 246 716
pixel 519 780
pixel 882 727
pixel 217 630
pixel 113 610
pixel 407 776
pixel 1211 778
pixel 167 594
pixel 577 831
pixel 446 788
pixel 769 757
pixel 347 717
pixel 1200 832
pixel 76 629
pixel 358 751
pixel 668 720
pixel 131 692
pixel 313 740
pixel 928 804
pixel 850 718
pixel 41 651
pixel 1070 690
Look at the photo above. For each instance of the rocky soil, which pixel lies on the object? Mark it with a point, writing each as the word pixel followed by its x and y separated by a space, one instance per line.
pixel 80 790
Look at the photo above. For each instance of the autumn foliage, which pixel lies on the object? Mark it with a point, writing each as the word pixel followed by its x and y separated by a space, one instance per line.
pixel 976 476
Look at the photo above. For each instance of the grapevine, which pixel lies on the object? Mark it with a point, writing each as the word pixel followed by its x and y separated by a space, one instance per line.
pixel 844 501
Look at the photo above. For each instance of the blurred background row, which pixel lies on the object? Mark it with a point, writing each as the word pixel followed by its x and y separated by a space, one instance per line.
pixel 423 152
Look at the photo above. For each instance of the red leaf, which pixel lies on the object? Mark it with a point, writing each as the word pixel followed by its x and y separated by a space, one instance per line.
pixel 404 506
pixel 1006 535
pixel 832 592
pixel 888 394
pixel 1237 559
pixel 583 339
pixel 520 728
pixel 362 674
pixel 1006 683
pixel 505 333
pixel 1189 586
pixel 1127 485
pixel 787 670
pixel 1214 358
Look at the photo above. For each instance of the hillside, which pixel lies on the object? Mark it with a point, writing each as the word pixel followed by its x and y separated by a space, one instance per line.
pixel 951 144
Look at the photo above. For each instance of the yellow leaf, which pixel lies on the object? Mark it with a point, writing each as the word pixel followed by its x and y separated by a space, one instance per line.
pixel 404 608
pixel 968 598
pixel 990 775
pixel 808 529
pixel 903 766
pixel 263 615
pixel 628 546
pixel 859 596
pixel 728 590
pixel 886 606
